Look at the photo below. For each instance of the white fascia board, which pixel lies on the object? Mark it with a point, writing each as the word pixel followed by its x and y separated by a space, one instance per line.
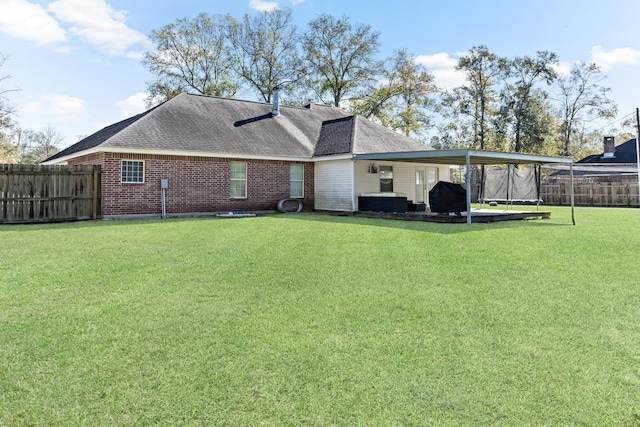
pixel 536 158
pixel 96 150
pixel 59 161
pixel 336 157
pixel 459 157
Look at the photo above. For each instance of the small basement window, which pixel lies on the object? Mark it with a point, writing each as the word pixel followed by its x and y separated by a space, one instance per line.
pixel 132 172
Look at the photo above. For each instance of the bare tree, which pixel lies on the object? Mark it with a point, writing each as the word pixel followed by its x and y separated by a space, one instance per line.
pixel 581 98
pixel 191 56
pixel 266 50
pixel 339 57
pixel 8 148
pixel 6 108
pixel 36 146
pixel 3 77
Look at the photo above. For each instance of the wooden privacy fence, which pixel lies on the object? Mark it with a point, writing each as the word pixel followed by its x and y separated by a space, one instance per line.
pixel 596 194
pixel 35 193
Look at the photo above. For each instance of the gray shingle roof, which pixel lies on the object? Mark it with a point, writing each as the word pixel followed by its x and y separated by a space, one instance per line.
pixel 193 123
pixel 336 137
pixel 370 137
pixel 624 153
pixel 99 137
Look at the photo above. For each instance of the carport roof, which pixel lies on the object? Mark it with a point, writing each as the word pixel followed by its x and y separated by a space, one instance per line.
pixel 471 157
pixel 459 157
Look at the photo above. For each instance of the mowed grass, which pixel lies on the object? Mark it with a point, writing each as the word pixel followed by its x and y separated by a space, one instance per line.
pixel 322 320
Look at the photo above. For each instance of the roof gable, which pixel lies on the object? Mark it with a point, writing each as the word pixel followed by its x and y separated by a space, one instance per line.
pixel 336 137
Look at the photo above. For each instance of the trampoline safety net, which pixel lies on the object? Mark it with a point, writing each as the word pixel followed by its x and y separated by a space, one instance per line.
pixel 510 184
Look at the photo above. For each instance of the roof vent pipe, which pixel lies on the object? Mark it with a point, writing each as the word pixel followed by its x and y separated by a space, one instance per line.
pixel 609 147
pixel 276 102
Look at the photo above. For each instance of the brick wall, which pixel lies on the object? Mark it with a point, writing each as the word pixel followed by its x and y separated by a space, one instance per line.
pixel 196 184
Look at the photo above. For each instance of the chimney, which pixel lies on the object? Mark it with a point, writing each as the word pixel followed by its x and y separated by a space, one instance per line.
pixel 609 147
pixel 276 102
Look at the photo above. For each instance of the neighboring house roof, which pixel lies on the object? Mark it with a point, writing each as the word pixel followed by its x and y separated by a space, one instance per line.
pixel 211 125
pixel 624 153
pixel 623 162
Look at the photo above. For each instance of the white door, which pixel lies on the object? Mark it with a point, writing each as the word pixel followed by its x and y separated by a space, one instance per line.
pixel 420 187
pixel 432 179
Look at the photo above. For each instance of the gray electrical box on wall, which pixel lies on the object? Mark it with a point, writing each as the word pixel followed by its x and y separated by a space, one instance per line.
pixel 164 183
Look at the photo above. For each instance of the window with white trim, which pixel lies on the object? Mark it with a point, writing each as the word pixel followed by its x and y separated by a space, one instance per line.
pixel 296 181
pixel 238 180
pixel 132 172
pixel 386 178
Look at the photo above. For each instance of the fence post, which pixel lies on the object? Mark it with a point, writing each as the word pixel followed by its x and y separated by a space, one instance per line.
pixel 96 178
pixel 627 187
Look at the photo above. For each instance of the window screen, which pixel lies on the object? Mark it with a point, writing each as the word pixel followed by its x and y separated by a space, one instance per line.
pixel 238 180
pixel 296 181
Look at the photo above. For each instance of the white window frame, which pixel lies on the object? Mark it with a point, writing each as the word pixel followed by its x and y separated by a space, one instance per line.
pixel 127 174
pixel 292 181
pixel 381 173
pixel 232 180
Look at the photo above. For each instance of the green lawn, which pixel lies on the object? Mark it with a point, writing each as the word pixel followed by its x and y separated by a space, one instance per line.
pixel 322 320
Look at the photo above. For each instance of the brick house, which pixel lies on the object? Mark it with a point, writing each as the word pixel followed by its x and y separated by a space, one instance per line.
pixel 220 155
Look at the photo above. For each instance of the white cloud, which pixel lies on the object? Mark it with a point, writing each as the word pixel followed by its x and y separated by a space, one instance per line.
pixel 443 68
pixel 137 55
pixel 264 6
pixel 562 68
pixel 25 20
pixel 59 107
pixel 621 55
pixel 135 104
pixel 99 24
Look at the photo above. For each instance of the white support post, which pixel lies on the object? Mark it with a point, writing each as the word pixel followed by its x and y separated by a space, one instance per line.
pixel 638 150
pixel 573 217
pixel 468 184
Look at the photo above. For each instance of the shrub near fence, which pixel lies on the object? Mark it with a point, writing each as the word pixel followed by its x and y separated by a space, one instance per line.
pixel 595 194
pixel 35 193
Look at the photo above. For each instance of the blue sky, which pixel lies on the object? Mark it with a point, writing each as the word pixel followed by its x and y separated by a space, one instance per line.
pixel 77 62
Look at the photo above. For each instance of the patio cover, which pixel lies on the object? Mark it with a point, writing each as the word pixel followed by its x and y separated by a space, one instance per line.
pixel 472 157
